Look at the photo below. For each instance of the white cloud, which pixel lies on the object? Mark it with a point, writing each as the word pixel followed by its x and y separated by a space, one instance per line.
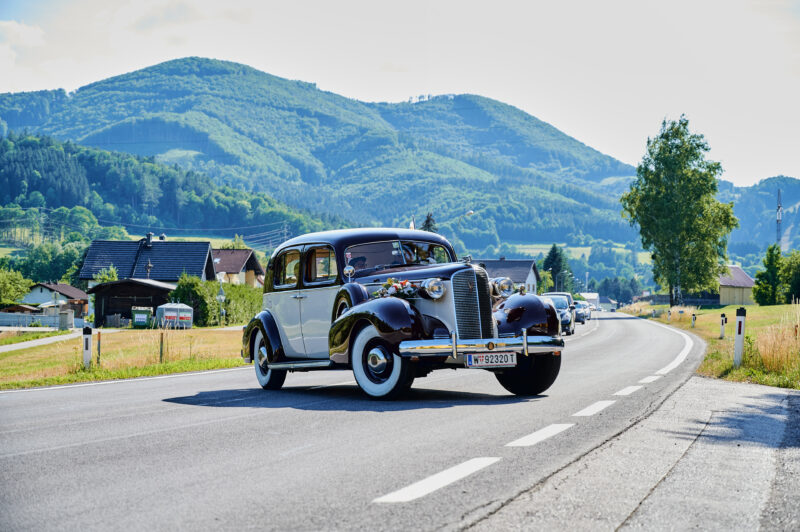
pixel 604 72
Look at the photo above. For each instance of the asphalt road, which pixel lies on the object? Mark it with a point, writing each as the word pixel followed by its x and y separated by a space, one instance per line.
pixel 214 451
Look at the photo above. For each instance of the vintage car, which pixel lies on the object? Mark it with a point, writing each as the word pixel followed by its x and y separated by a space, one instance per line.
pixel 393 305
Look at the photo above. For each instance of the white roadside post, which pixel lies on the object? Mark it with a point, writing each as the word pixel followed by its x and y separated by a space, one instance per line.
pixel 87 347
pixel 722 320
pixel 669 315
pixel 694 318
pixel 738 343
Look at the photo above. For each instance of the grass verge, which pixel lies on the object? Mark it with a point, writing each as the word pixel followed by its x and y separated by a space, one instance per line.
pixel 15 337
pixel 125 354
pixel 771 354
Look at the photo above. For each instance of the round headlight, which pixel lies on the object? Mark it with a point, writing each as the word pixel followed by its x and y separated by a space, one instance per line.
pixel 505 286
pixel 434 288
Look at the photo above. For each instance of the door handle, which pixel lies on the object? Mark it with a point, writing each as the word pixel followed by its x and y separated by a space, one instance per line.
pixel 298 296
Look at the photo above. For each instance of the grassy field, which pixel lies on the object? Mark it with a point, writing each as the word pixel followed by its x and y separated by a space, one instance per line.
pixel 125 354
pixel 575 252
pixel 772 341
pixel 15 337
pixel 5 251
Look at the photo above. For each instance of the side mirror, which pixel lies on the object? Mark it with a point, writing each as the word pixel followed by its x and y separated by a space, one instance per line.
pixel 348 272
pixel 572 307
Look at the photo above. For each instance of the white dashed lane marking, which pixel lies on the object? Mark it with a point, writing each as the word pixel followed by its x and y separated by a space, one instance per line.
pixel 540 435
pixel 651 378
pixel 628 390
pixel 593 409
pixel 438 481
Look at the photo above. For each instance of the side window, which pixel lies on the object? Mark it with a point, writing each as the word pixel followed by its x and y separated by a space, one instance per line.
pixel 320 265
pixel 287 269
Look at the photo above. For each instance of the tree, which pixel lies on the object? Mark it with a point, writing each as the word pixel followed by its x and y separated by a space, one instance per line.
pixel 429 224
pixel 236 243
pixel 13 286
pixel 767 288
pixel 673 201
pixel 790 276
pixel 547 282
pixel 106 275
pixel 557 264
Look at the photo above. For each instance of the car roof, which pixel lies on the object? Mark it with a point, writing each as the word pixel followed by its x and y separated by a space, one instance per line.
pixel 348 237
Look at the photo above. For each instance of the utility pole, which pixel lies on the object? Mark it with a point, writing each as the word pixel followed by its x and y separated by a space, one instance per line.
pixel 778 221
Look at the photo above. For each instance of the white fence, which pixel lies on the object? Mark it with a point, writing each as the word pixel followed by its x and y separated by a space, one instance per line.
pixel 15 319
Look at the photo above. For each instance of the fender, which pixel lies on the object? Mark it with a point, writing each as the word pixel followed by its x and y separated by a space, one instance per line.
pixel 393 317
pixel 353 293
pixel 265 322
pixel 528 312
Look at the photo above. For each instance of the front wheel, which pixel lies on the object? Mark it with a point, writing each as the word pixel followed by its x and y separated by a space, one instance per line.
pixel 533 375
pixel 380 373
pixel 269 379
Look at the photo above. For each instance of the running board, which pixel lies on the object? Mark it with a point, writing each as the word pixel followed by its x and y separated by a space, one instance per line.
pixel 301 365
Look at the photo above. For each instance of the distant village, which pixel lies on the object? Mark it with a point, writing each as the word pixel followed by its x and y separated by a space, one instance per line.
pixel 149 269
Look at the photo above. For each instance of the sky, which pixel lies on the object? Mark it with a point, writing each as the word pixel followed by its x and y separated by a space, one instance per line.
pixel 605 72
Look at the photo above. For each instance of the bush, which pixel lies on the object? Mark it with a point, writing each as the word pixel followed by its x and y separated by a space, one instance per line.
pixel 241 301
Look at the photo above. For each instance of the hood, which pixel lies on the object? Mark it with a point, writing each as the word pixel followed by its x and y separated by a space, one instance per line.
pixel 413 273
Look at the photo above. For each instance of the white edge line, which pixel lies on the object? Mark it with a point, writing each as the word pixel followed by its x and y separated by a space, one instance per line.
pixel 628 390
pixel 594 408
pixel 437 481
pixel 688 343
pixel 540 435
pixel 120 381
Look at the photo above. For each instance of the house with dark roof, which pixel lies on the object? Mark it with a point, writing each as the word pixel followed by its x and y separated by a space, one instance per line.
pixel 238 266
pixel 521 271
pixel 158 260
pixel 736 288
pixel 58 295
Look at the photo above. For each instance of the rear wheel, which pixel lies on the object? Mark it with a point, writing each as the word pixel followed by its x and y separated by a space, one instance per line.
pixel 269 379
pixel 533 375
pixel 379 372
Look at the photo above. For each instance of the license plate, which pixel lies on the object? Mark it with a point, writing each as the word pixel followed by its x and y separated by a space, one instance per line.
pixel 492 360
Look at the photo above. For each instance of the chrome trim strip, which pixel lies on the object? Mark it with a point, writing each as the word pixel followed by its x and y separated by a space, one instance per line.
pixel 301 364
pixel 453 346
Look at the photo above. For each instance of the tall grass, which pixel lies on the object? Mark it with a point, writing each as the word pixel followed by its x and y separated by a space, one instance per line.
pixel 778 346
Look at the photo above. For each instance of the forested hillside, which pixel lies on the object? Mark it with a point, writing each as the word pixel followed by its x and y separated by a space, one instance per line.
pixel 369 163
pixel 133 191
pixel 362 163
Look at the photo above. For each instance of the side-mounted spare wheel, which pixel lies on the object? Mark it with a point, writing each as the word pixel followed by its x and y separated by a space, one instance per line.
pixel 379 372
pixel 533 375
pixel 269 379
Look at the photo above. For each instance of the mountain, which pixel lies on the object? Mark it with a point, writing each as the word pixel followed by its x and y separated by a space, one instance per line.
pixel 372 163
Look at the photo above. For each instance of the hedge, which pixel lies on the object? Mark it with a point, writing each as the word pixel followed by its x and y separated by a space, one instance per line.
pixel 242 302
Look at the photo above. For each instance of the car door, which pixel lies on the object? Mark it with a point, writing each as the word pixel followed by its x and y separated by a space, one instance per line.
pixel 320 286
pixel 284 302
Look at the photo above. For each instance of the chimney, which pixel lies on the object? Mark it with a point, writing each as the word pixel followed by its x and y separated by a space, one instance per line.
pixel 162 237
pixel 149 241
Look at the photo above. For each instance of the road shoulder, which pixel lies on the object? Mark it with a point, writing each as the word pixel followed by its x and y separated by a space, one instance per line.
pixel 706 457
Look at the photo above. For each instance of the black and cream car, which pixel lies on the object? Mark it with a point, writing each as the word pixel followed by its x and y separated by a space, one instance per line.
pixel 394 305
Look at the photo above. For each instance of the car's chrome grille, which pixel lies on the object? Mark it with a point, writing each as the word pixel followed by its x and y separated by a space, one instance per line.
pixel 473 304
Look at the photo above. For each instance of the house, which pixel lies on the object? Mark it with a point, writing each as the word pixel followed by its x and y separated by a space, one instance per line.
pixel 593 298
pixel 736 288
pixel 520 271
pixel 158 260
pixel 59 295
pixel 606 303
pixel 119 297
pixel 238 266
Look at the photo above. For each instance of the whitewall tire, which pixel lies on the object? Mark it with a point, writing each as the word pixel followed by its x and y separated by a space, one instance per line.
pixel 269 379
pixel 380 373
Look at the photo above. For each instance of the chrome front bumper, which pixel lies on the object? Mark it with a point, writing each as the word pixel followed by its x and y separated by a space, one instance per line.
pixel 453 346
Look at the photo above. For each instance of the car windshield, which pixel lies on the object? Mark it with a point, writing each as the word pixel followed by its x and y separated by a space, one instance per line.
pixel 560 302
pixel 378 255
